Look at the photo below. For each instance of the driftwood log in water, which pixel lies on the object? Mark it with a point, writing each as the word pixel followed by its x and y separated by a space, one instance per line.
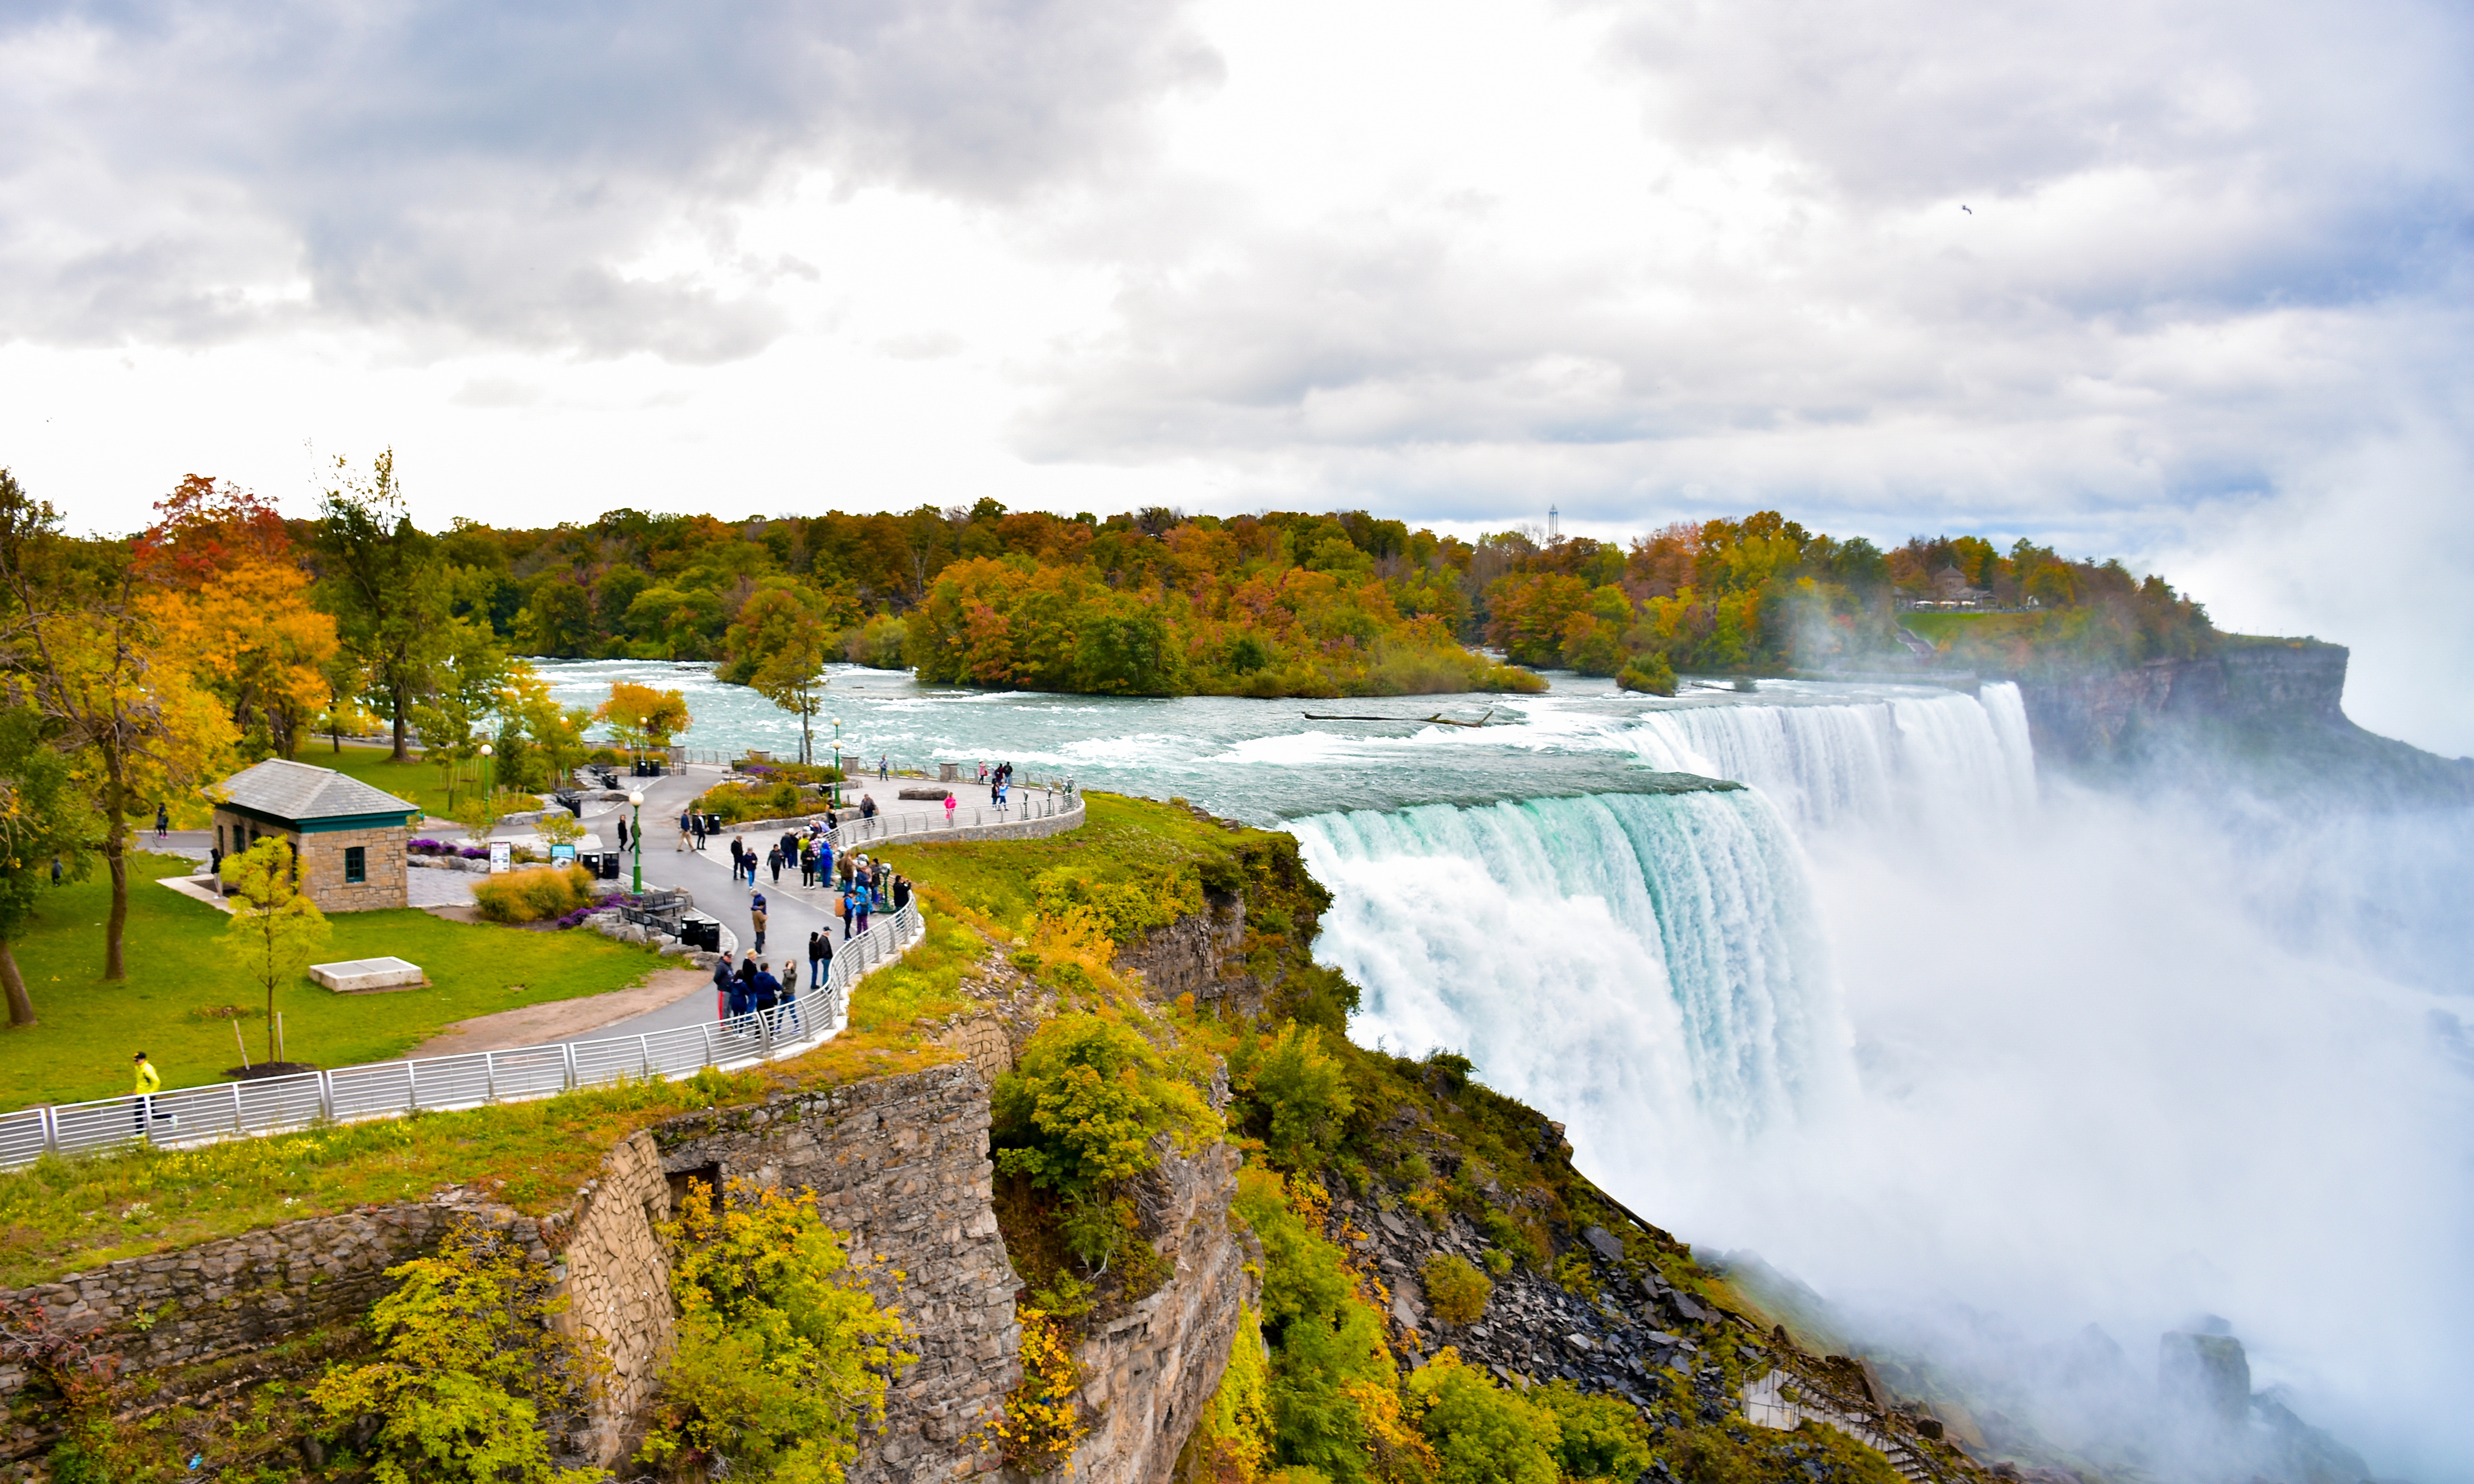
pixel 1438 719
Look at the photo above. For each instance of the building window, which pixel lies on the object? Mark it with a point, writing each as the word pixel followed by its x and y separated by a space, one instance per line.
pixel 356 865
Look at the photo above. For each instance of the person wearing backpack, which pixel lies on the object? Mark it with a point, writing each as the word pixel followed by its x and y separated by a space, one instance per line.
pixel 756 917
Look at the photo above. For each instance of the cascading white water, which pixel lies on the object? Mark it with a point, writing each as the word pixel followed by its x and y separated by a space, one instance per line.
pixel 1654 956
pixel 1949 759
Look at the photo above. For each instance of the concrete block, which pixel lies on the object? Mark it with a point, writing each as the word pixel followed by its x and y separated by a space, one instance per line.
pixel 368 975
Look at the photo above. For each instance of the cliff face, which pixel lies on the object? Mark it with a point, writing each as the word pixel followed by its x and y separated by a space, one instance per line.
pixel 2265 715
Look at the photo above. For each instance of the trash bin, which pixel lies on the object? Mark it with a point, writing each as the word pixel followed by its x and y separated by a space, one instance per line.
pixel 713 824
pixel 610 865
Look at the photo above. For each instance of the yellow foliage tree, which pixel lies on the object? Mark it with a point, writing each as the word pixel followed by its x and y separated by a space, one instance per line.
pixel 90 658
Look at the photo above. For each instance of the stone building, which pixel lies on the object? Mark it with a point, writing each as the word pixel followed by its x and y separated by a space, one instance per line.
pixel 349 838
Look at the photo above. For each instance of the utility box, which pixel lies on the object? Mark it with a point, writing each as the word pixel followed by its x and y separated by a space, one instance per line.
pixel 949 773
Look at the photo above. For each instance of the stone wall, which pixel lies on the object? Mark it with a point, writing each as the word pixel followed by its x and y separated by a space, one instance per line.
pixel 321 869
pixel 618 1287
pixel 320 853
pixel 902 1163
pixel 1149 1373
pixel 227 1296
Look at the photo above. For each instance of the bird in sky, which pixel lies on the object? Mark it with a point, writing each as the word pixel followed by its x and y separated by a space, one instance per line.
pixel 1964 206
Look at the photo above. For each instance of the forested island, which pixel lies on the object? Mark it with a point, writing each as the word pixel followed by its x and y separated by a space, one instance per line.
pixel 1157 602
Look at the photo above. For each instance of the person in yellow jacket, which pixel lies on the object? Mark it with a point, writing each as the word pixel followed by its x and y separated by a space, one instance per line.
pixel 149 1083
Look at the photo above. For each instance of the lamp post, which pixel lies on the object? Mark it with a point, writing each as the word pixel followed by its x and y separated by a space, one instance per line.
pixel 487 801
pixel 636 798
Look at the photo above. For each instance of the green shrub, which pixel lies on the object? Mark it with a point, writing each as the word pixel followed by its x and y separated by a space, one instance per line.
pixel 534 896
pixel 782 1355
pixel 470 1369
pixel 1481 1433
pixel 1301 1092
pixel 1601 1436
pixel 1077 1116
pixel 1456 1291
pixel 1650 673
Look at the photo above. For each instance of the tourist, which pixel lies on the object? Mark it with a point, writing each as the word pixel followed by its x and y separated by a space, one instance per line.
pixel 162 823
pixel 682 829
pixel 884 767
pixel 949 808
pixel 861 898
pixel 756 915
pixel 773 860
pixel 149 1083
pixel 790 991
pixel 723 977
pixel 821 952
pixel 849 902
pixel 768 990
pixel 742 987
pixel 623 837
pixel 901 893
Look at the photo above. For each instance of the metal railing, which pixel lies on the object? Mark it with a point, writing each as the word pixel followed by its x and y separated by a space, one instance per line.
pixel 1021 809
pixel 269 1105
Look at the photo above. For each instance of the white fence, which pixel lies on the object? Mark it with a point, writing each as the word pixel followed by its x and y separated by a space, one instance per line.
pixel 1022 808
pixel 191 1115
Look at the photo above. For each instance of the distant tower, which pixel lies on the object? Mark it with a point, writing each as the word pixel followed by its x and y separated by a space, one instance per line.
pixel 1554 525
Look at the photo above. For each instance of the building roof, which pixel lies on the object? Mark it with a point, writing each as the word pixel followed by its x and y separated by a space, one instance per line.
pixel 299 791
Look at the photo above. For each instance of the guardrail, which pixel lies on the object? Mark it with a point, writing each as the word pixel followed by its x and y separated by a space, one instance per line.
pixel 1026 808
pixel 270 1105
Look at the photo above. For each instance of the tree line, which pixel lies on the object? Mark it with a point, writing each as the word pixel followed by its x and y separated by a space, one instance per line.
pixel 140 668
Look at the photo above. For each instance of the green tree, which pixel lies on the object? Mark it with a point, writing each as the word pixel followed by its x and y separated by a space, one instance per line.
pixel 1598 1437
pixel 43 817
pixel 782 1355
pixel 386 583
pixel 276 929
pixel 469 1367
pixel 557 621
pixel 780 645
pixel 1303 1093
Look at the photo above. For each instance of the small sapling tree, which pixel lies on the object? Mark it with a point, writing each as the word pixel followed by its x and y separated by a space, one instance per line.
pixel 275 930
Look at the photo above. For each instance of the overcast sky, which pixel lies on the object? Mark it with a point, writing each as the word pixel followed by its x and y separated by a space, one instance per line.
pixel 2183 281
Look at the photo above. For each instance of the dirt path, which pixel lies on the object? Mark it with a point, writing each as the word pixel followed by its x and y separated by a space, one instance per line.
pixel 563 1019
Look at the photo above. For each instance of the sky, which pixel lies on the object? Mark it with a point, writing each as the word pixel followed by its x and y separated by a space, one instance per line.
pixel 2184 282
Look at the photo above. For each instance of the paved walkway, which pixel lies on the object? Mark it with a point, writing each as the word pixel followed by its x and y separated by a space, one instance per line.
pixel 792 912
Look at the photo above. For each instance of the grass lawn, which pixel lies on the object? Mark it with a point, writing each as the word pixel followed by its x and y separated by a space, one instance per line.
pixel 61 1215
pixel 87 1028
pixel 1121 839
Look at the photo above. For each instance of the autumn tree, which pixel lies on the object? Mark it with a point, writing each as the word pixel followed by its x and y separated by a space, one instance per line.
pixel 87 654
pixel 274 929
pixel 642 717
pixel 226 589
pixel 385 581
pixel 43 817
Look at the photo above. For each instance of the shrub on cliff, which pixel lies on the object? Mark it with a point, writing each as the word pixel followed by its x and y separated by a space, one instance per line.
pixel 470 1369
pixel 1298 1094
pixel 1455 1289
pixel 782 1353
pixel 1078 1116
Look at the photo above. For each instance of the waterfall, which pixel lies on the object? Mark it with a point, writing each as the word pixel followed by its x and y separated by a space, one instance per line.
pixel 1645 963
pixel 1953 759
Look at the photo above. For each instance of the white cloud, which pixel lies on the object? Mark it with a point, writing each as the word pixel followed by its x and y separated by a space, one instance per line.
pixel 1453 263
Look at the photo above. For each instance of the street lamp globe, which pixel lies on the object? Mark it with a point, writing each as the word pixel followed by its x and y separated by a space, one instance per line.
pixel 485 748
pixel 637 799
